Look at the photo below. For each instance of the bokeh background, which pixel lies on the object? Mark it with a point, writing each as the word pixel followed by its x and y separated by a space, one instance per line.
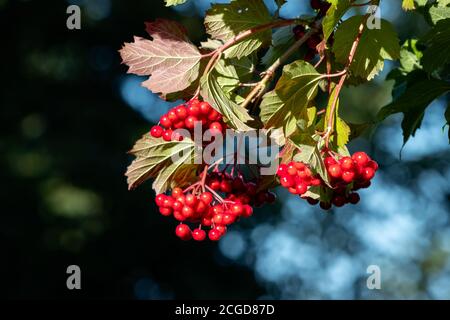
pixel 69 112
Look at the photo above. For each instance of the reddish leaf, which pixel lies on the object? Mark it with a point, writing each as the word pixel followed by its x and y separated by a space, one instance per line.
pixel 170 58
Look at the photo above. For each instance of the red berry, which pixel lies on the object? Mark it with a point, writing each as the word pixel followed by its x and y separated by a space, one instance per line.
pixel 339 201
pixel 215 185
pixel 335 171
pixel 315 4
pixel 236 209
pixel 218 218
pixel 282 170
pixel 156 131
pixel 172 116
pixel 179 124
pixel 181 112
pixel 165 121
pixel 165 211
pixel 353 198
pixel 372 164
pixel 205 108
pixel 190 122
pixel 301 188
pixel 167 202
pixel 217 209
pixel 213 115
pixel 183 232
pixel 225 186
pixel 329 161
pixel 287 181
pixel 200 207
pixel 348 176
pixel 248 211
pixel 190 200
pixel 291 169
pixel 360 158
pixel 228 218
pixel 194 110
pixel 179 216
pixel 316 182
pixel 325 205
pixel 199 235
pixel 214 235
pixel 216 127
pixel 206 197
pixel 167 135
pixel 159 199
pixel 187 212
pixel 312 201
pixel 347 163
pixel 177 205
pixel 251 188
pixel 176 192
pixel 222 229
pixel 206 221
pixel 368 173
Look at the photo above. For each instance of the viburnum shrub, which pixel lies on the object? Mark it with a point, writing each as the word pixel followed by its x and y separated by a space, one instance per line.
pixel 259 72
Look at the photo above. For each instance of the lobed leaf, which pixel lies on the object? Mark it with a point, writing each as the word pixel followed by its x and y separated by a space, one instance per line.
pixel 413 102
pixel 225 21
pixel 153 156
pixel 374 47
pixel 289 101
pixel 170 58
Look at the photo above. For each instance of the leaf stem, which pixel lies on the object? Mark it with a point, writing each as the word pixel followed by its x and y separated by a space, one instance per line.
pixel 330 124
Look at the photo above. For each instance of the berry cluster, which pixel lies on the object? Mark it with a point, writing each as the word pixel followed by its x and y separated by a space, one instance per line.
pixel 185 116
pixel 312 42
pixel 208 209
pixel 348 174
pixel 236 189
pixel 297 177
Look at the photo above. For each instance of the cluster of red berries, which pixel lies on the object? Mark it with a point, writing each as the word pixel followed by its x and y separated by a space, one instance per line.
pixel 297 177
pixel 355 171
pixel 346 175
pixel 236 189
pixel 203 209
pixel 185 116
pixel 312 42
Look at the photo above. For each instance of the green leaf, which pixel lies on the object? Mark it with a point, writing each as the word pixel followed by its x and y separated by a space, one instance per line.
pixel 212 92
pixel 177 174
pixel 153 155
pixel 438 46
pixel 374 47
pixel 408 5
pixel 232 72
pixel 170 58
pixel 410 56
pixel 290 99
pixel 174 2
pixel 225 21
pixel 341 131
pixel 439 11
pixel 413 103
pixel 334 14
